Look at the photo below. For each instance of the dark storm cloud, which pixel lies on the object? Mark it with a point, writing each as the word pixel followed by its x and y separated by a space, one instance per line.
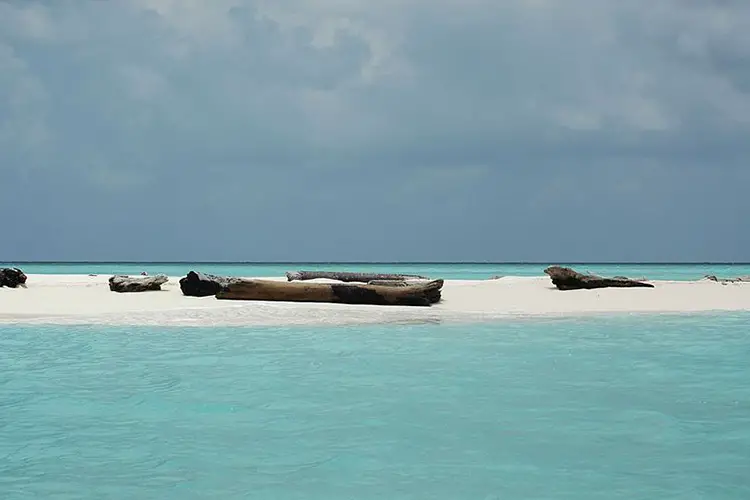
pixel 462 130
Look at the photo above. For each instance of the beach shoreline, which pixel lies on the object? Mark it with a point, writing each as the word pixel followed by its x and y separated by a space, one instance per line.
pixel 87 300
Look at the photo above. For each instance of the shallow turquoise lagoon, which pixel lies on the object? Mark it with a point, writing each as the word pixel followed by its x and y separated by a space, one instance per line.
pixel 652 407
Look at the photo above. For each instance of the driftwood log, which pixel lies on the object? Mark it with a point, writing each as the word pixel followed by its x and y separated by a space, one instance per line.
pixel 406 282
pixel 345 293
pixel 565 278
pixel 203 285
pixel 129 284
pixel 12 277
pixel 348 277
pixel 434 296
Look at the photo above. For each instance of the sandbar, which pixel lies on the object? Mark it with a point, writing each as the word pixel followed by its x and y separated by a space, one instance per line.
pixel 81 299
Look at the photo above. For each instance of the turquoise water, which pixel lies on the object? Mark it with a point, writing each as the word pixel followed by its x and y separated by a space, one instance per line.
pixel 618 408
pixel 446 271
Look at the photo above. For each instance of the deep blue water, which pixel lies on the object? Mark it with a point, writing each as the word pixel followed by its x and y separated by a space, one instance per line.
pixel 446 271
pixel 652 407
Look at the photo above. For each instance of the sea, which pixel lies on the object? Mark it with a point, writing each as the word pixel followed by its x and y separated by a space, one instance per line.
pixel 622 407
pixel 461 271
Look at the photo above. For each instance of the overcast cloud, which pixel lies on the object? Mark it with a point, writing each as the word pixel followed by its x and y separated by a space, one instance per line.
pixel 410 130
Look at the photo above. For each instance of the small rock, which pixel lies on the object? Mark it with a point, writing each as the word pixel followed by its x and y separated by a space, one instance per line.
pixel 123 284
pixel 203 285
pixel 12 277
pixel 725 281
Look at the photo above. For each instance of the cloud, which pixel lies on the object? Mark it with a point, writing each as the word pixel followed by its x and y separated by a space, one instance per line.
pixel 23 126
pixel 510 114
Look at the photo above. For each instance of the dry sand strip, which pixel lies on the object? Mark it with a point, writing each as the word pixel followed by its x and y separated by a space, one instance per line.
pixel 79 299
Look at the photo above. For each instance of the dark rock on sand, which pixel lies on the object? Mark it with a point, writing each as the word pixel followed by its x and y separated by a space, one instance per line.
pixel 128 284
pixel 203 285
pixel 12 277
pixel 724 281
pixel 565 278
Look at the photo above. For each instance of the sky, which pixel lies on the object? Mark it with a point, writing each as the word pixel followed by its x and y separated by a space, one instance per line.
pixel 354 130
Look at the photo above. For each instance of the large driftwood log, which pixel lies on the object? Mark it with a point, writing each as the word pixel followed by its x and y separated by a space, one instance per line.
pixel 128 284
pixel 347 277
pixel 565 278
pixel 12 277
pixel 345 293
pixel 203 285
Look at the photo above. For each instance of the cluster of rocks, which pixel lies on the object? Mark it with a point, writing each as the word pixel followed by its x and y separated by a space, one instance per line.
pixel 725 281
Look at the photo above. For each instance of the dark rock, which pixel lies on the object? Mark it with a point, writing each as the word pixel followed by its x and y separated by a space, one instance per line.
pixel 203 285
pixel 127 284
pixel 12 277
pixel 724 281
pixel 565 278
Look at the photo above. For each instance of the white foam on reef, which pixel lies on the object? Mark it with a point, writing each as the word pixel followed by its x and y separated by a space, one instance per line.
pixel 80 299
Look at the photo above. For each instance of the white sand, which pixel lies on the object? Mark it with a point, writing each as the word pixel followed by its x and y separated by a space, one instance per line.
pixel 77 299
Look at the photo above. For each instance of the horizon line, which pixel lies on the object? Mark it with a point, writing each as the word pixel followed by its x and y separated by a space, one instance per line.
pixel 550 262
